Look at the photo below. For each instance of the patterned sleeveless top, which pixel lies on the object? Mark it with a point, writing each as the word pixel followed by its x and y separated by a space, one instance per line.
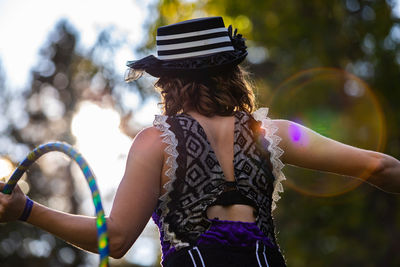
pixel 196 179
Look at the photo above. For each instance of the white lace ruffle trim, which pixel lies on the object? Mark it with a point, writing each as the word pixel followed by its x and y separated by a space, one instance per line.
pixel 275 151
pixel 160 122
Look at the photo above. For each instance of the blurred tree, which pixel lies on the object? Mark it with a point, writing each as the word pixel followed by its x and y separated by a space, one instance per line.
pixel 48 110
pixel 362 37
pixel 63 78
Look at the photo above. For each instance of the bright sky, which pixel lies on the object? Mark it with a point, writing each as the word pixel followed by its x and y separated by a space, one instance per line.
pixel 25 25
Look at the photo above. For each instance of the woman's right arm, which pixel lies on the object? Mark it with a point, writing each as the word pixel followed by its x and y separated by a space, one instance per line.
pixel 133 205
pixel 305 148
pixel 75 229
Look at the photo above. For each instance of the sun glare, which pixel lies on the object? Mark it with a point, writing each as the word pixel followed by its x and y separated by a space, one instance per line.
pixel 102 144
pixel 105 147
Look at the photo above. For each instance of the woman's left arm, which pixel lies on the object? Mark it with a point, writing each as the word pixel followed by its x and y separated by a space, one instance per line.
pixel 305 148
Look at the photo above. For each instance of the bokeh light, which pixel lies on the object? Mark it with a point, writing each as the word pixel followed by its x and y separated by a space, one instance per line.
pixel 6 167
pixel 335 104
pixel 6 170
pixel 104 146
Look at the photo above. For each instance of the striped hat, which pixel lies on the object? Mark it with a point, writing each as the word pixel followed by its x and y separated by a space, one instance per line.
pixel 203 45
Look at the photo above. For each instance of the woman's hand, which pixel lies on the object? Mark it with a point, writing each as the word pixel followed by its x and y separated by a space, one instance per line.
pixel 11 205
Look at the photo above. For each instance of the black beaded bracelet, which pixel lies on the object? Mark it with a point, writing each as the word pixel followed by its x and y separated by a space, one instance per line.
pixel 27 209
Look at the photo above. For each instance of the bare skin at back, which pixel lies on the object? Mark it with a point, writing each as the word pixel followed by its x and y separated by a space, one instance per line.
pixel 220 134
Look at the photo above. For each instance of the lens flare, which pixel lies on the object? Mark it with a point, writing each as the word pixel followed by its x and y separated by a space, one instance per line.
pixel 295 133
pixel 336 104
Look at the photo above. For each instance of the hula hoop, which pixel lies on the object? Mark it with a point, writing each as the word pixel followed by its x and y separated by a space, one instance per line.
pixel 102 237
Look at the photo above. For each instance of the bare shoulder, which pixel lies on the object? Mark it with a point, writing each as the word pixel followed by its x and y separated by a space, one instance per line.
pixel 294 133
pixel 298 140
pixel 148 134
pixel 286 130
pixel 148 140
pixel 282 124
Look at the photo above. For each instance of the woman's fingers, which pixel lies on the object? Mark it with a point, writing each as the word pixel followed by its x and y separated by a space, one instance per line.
pixel 11 205
pixel 4 200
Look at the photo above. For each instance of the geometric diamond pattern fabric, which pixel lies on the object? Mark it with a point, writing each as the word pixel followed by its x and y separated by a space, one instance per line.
pixel 199 178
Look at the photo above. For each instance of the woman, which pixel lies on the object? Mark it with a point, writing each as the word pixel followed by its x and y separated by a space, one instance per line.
pixel 209 170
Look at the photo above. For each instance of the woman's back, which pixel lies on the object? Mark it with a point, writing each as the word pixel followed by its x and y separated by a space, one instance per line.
pixel 220 135
pixel 217 176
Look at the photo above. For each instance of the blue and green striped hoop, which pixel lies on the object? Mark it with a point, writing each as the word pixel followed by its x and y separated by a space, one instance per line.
pixel 102 236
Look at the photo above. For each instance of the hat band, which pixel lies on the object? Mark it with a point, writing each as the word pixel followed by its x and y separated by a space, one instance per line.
pixel 190 34
pixel 193 44
pixel 197 53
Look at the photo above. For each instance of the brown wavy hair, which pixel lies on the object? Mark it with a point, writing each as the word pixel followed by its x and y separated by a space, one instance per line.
pixel 220 94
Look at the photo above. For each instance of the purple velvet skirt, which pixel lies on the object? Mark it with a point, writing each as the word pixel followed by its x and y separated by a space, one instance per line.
pixel 233 233
pixel 227 240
